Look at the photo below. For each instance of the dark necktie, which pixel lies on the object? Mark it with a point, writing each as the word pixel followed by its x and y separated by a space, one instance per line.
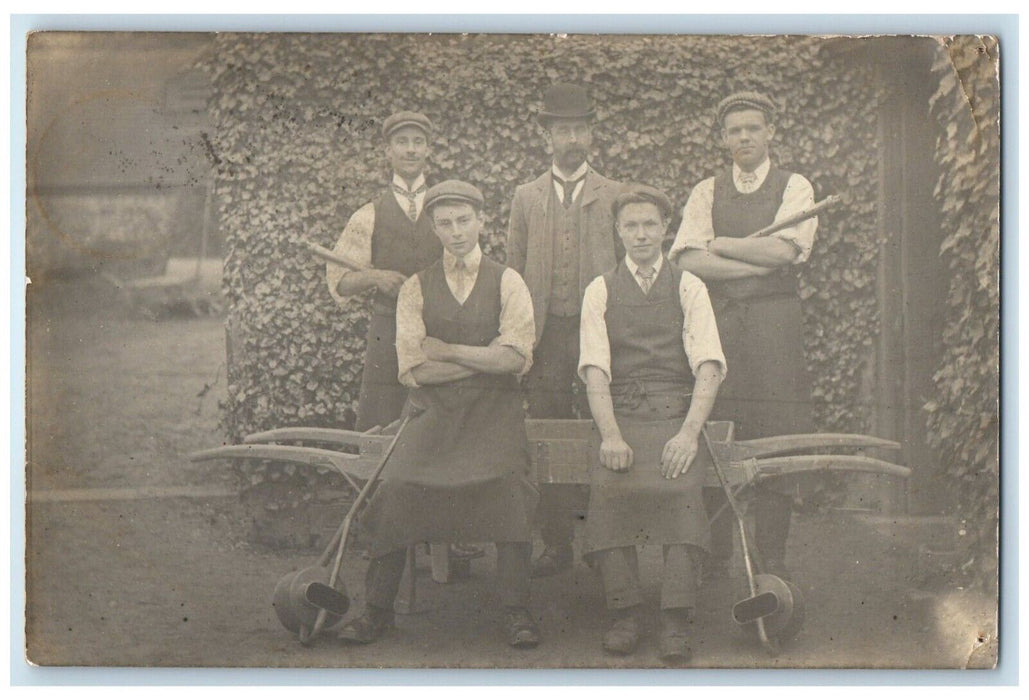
pixel 412 210
pixel 569 188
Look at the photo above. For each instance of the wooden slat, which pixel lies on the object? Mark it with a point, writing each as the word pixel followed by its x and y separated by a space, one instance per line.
pixel 546 429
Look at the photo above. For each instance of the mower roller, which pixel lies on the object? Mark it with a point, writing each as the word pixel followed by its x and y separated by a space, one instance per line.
pixel 314 598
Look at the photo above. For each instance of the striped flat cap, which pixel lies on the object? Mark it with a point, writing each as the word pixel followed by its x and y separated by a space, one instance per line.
pixel 745 100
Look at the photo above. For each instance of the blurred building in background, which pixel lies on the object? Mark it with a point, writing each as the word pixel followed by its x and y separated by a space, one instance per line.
pixel 117 169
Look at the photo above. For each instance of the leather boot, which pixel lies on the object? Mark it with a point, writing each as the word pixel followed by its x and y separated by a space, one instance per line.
pixel 675 648
pixel 624 634
pixel 367 628
pixel 553 560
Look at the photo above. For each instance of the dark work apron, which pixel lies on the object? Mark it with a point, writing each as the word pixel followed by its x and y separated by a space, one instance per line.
pixel 407 247
pixel 767 390
pixel 650 390
pixel 460 470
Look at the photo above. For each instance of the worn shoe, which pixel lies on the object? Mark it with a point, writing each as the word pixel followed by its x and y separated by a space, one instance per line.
pixel 522 632
pixel 624 635
pixel 675 644
pixel 554 560
pixel 466 551
pixel 367 628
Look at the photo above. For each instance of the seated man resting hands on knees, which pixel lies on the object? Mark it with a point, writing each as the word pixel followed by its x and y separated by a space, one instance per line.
pixel 652 363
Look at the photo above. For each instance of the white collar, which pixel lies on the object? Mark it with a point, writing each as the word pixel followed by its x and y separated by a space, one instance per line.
pixel 574 176
pixel 471 259
pixel 418 182
pixel 634 268
pixel 760 171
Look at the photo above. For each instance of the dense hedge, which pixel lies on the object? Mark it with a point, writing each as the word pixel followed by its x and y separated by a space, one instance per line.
pixel 963 415
pixel 298 150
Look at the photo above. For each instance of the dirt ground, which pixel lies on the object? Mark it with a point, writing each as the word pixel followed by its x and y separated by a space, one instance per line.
pixel 135 577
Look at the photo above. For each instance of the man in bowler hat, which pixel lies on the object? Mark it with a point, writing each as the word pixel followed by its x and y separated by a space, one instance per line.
pixel 561 235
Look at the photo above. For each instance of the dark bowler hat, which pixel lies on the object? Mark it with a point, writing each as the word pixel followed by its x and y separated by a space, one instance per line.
pixel 405 118
pixel 453 191
pixel 635 193
pixel 565 101
pixel 746 100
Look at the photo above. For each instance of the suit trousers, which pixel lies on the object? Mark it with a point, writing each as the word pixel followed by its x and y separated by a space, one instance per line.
pixel 620 573
pixel 549 388
pixel 382 581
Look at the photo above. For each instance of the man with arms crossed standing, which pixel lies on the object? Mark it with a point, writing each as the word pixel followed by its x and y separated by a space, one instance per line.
pixel 754 293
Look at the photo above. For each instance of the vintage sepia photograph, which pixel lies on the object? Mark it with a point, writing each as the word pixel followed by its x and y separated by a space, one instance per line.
pixel 544 351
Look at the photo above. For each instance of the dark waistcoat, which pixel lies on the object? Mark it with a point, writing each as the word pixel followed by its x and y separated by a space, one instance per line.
pixel 400 244
pixel 564 232
pixel 645 330
pixel 736 215
pixel 477 321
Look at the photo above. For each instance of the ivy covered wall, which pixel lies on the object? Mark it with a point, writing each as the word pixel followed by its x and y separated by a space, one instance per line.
pixel 297 150
pixel 964 412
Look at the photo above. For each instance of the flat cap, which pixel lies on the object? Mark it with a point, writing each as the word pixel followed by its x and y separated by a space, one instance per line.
pixel 635 193
pixel 453 191
pixel 745 100
pixel 405 118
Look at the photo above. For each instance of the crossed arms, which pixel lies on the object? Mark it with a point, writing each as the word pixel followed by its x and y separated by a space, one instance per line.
pixel 423 359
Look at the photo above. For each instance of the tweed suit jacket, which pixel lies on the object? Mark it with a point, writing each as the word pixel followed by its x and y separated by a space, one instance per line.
pixel 530 251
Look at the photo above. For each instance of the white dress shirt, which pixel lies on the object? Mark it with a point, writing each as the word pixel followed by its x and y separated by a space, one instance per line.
pixel 517 328
pixel 699 331
pixel 577 175
pixel 355 243
pixel 697 228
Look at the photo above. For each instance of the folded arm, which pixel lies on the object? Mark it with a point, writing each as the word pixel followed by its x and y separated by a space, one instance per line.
pixel 709 266
pixel 355 243
pixel 433 372
pixel 767 252
pixel 789 246
pixel 490 359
